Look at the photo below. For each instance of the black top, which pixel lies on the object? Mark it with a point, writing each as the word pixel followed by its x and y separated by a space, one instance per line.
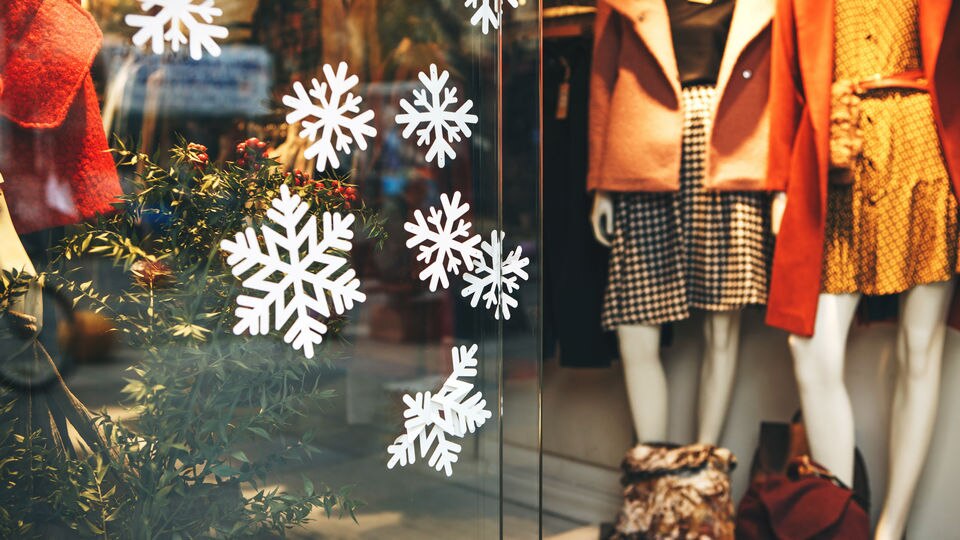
pixel 699 36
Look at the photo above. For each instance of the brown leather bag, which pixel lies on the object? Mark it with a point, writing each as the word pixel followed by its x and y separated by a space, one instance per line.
pixel 793 498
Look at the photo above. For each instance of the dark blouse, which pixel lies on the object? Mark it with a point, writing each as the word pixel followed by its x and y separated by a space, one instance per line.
pixel 699 37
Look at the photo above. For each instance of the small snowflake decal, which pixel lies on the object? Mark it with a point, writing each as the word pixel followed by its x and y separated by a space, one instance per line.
pixel 488 13
pixel 444 239
pixel 497 279
pixel 169 23
pixel 338 120
pixel 432 106
pixel 434 419
pixel 297 285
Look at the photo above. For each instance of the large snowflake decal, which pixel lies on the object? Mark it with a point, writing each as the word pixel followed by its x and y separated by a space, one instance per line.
pixel 497 278
pixel 444 239
pixel 338 120
pixel 168 24
pixel 297 285
pixel 434 419
pixel 488 13
pixel 432 106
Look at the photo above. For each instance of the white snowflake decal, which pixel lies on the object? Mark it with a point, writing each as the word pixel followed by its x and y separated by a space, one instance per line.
pixel 433 106
pixel 338 115
pixel 296 285
pixel 488 13
pixel 444 239
pixel 433 419
pixel 497 279
pixel 169 23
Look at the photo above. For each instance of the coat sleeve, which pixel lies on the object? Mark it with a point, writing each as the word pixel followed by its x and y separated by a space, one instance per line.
pixel 603 77
pixel 786 99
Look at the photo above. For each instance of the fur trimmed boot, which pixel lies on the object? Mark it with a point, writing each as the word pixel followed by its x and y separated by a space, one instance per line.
pixel 676 492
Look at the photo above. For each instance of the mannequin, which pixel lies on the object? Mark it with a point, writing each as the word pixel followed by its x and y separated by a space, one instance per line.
pixel 714 180
pixel 13 258
pixel 643 372
pixel 819 366
pixel 903 113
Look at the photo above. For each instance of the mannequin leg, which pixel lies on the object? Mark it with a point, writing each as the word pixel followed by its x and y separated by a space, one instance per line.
pixel 717 373
pixel 920 345
pixel 645 379
pixel 818 364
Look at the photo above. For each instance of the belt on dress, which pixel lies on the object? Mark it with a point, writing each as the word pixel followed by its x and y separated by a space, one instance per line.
pixel 908 80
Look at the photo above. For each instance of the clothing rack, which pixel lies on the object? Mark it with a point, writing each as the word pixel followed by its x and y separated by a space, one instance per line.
pixel 567 21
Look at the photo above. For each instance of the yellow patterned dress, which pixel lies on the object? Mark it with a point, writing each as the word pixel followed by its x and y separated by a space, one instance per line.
pixel 895 227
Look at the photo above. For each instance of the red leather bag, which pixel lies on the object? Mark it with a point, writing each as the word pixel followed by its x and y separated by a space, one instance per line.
pixel 793 498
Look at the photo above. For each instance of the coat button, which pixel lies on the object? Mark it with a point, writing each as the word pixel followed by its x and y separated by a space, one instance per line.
pixel 747 74
pixel 642 16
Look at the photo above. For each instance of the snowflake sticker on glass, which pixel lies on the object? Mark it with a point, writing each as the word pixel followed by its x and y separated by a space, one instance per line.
pixel 433 108
pixel 488 13
pixel 497 277
pixel 167 25
pixel 433 421
pixel 445 244
pixel 444 241
pixel 336 121
pixel 295 261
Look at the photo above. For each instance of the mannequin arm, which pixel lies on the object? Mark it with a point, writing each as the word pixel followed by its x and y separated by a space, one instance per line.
pixel 601 217
pixel 777 207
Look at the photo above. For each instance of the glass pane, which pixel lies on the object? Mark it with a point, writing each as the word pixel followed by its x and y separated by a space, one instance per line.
pixel 317 292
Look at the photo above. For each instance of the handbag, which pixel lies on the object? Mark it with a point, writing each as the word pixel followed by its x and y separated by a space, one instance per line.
pixel 791 497
pixel 675 492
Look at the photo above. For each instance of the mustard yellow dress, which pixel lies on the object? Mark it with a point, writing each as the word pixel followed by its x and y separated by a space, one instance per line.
pixel 895 227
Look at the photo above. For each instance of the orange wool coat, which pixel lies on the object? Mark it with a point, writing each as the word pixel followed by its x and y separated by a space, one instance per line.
pixel 802 75
pixel 636 121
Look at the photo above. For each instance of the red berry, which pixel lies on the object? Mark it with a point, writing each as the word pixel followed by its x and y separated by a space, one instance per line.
pixel 252 141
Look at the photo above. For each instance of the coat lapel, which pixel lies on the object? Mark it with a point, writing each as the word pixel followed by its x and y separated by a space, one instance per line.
pixel 651 21
pixel 933 22
pixel 750 18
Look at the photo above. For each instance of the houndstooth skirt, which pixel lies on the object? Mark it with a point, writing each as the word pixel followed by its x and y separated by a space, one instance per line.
pixel 689 249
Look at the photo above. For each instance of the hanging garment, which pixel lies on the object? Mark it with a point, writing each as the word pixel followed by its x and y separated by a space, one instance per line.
pixel 697 248
pixel 802 76
pixel 53 151
pixel 895 226
pixel 575 264
pixel 636 117
pixel 679 492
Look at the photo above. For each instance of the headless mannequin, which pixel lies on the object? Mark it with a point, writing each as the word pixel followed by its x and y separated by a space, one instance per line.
pixel 819 366
pixel 13 257
pixel 643 371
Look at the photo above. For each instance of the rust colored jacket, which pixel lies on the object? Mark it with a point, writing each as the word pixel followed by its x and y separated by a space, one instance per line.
pixel 636 121
pixel 802 74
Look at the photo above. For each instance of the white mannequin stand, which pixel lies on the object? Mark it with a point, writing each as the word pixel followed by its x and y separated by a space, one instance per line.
pixel 827 413
pixel 645 379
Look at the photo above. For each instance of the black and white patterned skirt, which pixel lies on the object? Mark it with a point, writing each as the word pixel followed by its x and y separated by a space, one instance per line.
pixel 692 248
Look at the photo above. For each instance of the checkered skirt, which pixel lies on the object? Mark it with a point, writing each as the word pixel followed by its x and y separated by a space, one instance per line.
pixel 694 248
